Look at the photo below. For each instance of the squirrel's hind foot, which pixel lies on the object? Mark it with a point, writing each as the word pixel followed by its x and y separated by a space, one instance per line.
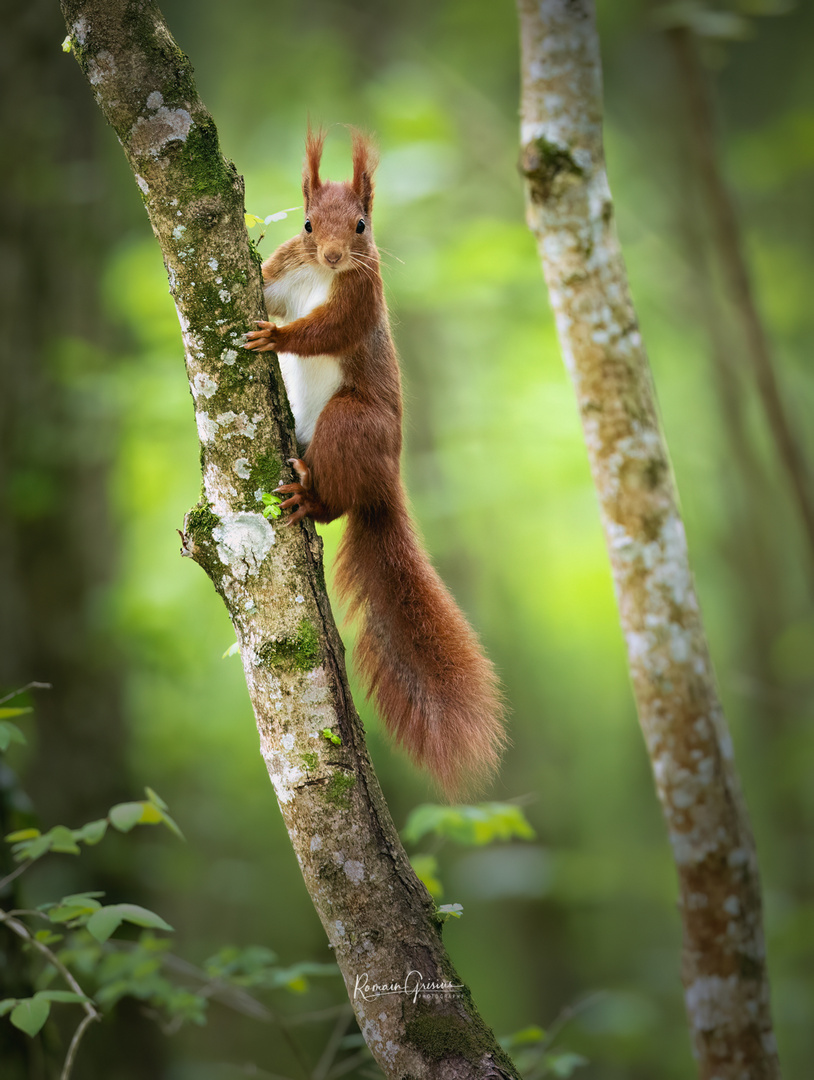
pixel 303 501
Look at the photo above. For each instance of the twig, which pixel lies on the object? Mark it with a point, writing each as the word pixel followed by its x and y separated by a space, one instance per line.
pixel 349 1063
pixel 563 1018
pixel 329 1053
pixel 86 1021
pixel 22 690
pixel 91 1013
pixel 7 880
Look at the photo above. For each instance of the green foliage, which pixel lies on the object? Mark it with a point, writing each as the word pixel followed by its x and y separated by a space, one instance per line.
pixel 475 825
pixel 10 733
pixel 256 967
pixel 31 844
pixel 331 736
pixel 200 522
pixel 535 1059
pixel 426 868
pixel 107 920
pixel 271 505
pixel 449 911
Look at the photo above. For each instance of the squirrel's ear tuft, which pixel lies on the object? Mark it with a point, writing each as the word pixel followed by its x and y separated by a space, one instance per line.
pixel 311 183
pixel 365 160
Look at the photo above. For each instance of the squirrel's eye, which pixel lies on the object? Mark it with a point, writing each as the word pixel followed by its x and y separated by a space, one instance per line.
pixel 361 226
pixel 308 225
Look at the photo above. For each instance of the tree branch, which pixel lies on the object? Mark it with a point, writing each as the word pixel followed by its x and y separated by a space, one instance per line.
pixel 570 213
pixel 378 917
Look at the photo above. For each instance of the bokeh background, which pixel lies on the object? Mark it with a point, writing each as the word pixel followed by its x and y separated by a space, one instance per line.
pixel 99 462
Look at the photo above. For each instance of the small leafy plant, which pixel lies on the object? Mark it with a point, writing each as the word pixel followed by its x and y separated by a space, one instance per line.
pixel 271 505
pixel 73 938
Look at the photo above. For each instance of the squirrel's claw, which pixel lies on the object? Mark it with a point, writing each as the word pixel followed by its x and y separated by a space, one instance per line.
pixel 301 501
pixel 262 340
pixel 302 470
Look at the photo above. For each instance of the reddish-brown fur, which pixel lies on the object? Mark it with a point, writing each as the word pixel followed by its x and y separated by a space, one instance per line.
pixel 436 691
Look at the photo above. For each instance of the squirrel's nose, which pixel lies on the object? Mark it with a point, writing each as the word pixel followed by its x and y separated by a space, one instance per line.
pixel 333 257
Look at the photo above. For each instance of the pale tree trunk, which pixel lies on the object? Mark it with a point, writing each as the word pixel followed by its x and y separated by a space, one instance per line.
pixel 571 214
pixel 378 917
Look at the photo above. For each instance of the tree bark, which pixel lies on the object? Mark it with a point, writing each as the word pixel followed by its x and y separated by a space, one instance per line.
pixel 570 213
pixel 378 917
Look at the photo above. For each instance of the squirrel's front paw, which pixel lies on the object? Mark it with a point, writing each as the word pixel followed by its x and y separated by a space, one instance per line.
pixel 263 340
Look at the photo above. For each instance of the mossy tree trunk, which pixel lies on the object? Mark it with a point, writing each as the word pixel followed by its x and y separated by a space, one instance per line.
pixel 378 917
pixel 570 213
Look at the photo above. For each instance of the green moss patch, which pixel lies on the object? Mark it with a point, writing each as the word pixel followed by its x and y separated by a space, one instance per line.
pixel 300 652
pixel 200 522
pixel 442 1035
pixel 339 788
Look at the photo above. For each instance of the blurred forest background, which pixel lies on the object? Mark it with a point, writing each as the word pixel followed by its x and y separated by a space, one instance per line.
pixel 99 462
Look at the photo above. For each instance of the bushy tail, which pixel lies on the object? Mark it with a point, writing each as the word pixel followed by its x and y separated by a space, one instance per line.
pixel 420 659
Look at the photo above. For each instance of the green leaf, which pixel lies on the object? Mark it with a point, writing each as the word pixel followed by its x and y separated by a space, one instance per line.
pixel 231 961
pixel 172 826
pixel 73 908
pixel 252 220
pixel 22 834
pixel 67 44
pixel 451 911
pixel 32 849
pixel 6 1005
pixel 107 920
pixel 155 798
pixel 91 833
pixel 295 978
pixel 563 1065
pixel 10 733
pixel 426 867
pixel 125 816
pixel 8 713
pixel 48 937
pixel 30 1015
pixel 476 825
pixel 62 840
pixel 272 505
pixel 233 650
pixel 67 996
pixel 528 1036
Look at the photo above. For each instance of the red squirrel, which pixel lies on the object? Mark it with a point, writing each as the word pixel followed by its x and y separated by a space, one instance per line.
pixel 420 659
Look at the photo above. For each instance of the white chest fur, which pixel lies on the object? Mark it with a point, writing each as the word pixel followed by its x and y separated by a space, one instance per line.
pixel 310 381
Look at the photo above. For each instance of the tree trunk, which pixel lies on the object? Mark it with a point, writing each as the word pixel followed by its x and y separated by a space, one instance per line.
pixel 571 215
pixel 378 917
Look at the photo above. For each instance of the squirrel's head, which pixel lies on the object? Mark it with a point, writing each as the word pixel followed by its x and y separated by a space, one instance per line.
pixel 337 227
